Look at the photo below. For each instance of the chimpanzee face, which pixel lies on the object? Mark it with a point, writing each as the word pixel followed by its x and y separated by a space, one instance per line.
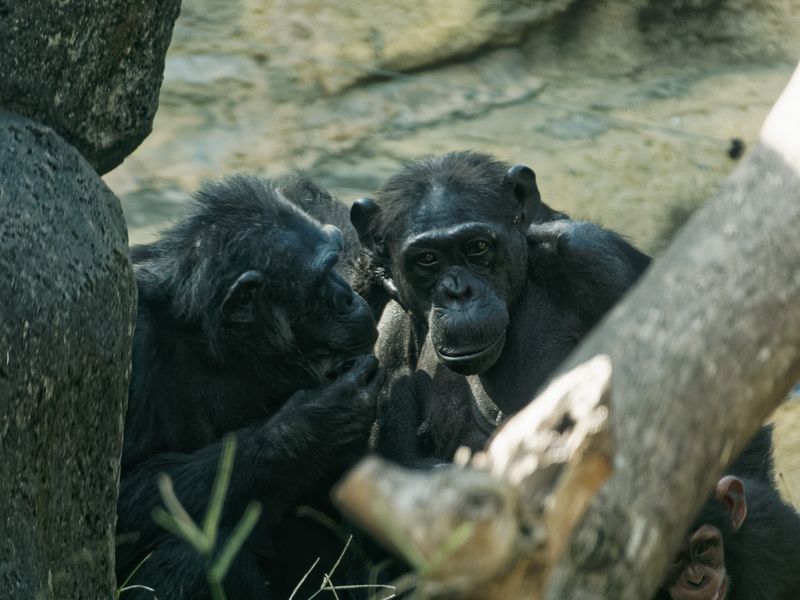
pixel 461 278
pixel 450 232
pixel 698 572
pixel 328 317
pixel 297 306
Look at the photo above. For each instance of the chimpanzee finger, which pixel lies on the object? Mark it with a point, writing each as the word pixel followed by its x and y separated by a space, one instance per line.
pixel 363 370
pixel 373 387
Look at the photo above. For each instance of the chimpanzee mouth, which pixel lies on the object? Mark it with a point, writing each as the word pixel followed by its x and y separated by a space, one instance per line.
pixel 471 362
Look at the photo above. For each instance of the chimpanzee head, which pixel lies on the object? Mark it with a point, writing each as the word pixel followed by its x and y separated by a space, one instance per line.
pixel 252 276
pixel 448 235
pixel 698 571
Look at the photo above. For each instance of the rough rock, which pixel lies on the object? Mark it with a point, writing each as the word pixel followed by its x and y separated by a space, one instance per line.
pixel 328 46
pixel 91 70
pixel 66 319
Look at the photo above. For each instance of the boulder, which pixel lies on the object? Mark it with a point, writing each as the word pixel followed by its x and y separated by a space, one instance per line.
pixel 91 70
pixel 328 46
pixel 66 318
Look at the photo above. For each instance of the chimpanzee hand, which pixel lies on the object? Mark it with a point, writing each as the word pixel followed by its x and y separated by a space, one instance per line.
pixel 350 400
pixel 564 236
pixel 332 422
pixel 583 262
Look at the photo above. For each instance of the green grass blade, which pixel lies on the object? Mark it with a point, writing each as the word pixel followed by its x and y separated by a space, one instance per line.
pixel 221 483
pixel 186 528
pixel 236 540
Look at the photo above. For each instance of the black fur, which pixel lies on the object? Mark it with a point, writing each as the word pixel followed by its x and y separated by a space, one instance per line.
pixel 756 461
pixel 506 264
pixel 243 326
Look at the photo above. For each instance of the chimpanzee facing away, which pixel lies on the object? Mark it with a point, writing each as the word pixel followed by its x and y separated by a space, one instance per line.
pixel 492 290
pixel 743 546
pixel 243 326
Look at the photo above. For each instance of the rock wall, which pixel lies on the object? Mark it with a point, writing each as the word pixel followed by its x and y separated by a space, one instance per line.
pixel 625 108
pixel 67 321
pixel 79 84
pixel 91 70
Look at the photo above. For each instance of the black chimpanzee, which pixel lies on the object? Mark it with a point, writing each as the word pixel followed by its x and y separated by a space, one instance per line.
pixel 244 326
pixel 742 546
pixel 492 290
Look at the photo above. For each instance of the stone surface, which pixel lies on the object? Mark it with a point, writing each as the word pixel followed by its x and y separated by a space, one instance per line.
pixel 344 42
pixel 66 314
pixel 91 70
pixel 619 127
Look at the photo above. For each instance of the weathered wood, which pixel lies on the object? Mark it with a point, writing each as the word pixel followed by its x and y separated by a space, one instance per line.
pixel 703 350
pixel 493 528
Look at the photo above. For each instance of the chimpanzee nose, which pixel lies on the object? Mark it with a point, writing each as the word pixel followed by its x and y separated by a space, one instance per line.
pixel 343 295
pixel 695 578
pixel 455 287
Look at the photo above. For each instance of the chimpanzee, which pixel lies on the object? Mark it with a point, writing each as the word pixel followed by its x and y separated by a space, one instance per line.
pixel 243 326
pixel 742 546
pixel 492 289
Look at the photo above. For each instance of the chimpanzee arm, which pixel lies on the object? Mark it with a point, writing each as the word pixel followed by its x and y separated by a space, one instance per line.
pixel 583 265
pixel 304 446
pixel 395 431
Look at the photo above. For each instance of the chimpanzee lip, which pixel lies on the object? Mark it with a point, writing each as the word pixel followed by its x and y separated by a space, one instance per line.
pixel 473 355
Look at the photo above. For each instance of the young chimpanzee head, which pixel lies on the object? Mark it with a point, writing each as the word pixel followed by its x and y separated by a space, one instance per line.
pixel 739 549
pixel 447 235
pixel 698 571
pixel 251 276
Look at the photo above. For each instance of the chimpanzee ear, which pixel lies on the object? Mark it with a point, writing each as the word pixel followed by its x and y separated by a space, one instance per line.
pixel 730 491
pixel 363 215
pixel 521 180
pixel 240 299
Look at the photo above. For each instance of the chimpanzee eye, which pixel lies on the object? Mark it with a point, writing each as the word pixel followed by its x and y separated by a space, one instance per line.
pixel 704 547
pixel 478 247
pixel 426 259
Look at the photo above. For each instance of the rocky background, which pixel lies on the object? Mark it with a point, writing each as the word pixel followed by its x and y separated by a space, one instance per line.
pixel 626 109
pixel 79 85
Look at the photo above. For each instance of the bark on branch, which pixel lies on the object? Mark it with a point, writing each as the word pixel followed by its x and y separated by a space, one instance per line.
pixel 493 527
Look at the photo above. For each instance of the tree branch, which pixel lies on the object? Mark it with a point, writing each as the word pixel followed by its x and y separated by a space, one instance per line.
pixel 704 349
pixel 493 529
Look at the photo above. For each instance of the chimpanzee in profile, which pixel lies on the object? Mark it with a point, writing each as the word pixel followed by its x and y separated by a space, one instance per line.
pixel 243 326
pixel 742 546
pixel 492 289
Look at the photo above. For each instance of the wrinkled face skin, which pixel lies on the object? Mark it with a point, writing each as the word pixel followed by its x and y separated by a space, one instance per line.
pixel 462 278
pixel 448 233
pixel 325 322
pixel 698 572
pixel 298 311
